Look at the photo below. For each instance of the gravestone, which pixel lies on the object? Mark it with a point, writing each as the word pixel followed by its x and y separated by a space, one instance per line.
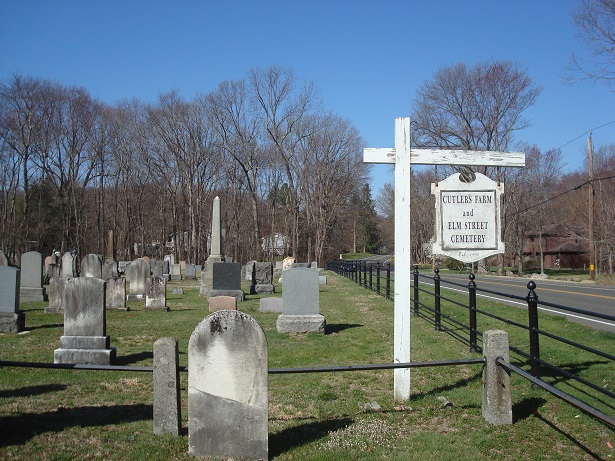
pixel 109 269
pixel 227 388
pixel 288 263
pixel 170 259
pixel 11 320
pixel 262 279
pixel 215 255
pixel 31 289
pixel 116 294
pixel 222 303
pixel 54 270
pixel 85 339
pixel 91 266
pixel 69 265
pixel 56 295
pixel 157 270
pixel 167 399
pixel 166 269
pixel 314 265
pixel 301 312
pixel 123 267
pixel 176 272
pixel 46 263
pixel 178 291
pixel 139 275
pixel 322 279
pixel 156 296
pixel 249 272
pixel 271 304
pixel 227 281
pixel 190 272
pixel 3 259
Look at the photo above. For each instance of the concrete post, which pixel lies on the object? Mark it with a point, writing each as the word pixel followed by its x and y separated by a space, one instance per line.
pixel 167 406
pixel 497 399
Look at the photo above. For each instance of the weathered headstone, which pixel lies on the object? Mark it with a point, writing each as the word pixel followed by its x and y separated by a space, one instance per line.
pixel 69 265
pixel 156 296
pixel 262 278
pixel 54 270
pixel 139 275
pixel 301 303
pixel 176 272
pixel 116 294
pixel 157 270
pixel 91 266
pixel 227 281
pixel 109 269
pixel 227 388
pixel 11 320
pixel 249 271
pixel 56 295
pixel 85 339
pixel 31 289
pixel 322 279
pixel 3 259
pixel 167 403
pixel 271 304
pixel 190 272
pixel 178 291
pixel 222 303
pixel 170 259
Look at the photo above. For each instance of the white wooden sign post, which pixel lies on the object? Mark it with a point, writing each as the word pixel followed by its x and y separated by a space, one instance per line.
pixel 403 157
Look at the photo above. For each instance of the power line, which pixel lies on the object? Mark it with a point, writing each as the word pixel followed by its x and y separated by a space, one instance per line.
pixel 559 195
pixel 583 134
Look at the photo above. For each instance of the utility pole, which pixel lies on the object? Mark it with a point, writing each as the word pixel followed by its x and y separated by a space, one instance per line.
pixel 592 257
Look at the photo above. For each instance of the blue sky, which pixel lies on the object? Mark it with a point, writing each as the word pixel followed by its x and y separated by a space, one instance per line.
pixel 367 58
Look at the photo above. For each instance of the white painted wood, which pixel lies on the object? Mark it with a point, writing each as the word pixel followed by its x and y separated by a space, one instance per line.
pixel 448 157
pixel 403 270
pixel 403 157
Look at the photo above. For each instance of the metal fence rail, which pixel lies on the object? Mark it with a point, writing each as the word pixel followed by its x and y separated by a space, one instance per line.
pixel 468 332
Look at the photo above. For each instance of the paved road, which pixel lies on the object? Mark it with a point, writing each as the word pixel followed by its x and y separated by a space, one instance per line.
pixel 594 298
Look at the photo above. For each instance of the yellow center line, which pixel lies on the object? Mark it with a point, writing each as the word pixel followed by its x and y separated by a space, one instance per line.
pixel 542 288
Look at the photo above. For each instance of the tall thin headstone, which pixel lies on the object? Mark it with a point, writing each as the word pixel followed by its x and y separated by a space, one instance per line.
pixel 167 404
pixel 156 294
pixel 215 256
pixel 56 295
pixel 11 320
pixel 227 388
pixel 69 265
pixel 139 275
pixel 31 289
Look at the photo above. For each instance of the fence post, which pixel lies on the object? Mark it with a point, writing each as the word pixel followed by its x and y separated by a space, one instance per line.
pixel 416 289
pixel 472 293
pixel 497 397
pixel 436 291
pixel 360 273
pixel 370 277
pixel 389 280
pixel 378 278
pixel 532 311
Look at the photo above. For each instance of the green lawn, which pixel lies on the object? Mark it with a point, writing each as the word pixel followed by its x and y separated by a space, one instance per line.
pixel 101 415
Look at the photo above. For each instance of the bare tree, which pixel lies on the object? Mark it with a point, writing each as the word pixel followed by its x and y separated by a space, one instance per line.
pixel 281 107
pixel 595 22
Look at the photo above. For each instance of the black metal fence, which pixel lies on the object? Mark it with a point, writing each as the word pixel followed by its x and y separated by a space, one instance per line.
pixel 427 304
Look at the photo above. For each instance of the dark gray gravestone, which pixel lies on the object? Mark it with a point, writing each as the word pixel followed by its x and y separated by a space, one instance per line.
pixel 227 276
pixel 84 339
pixel 11 320
pixel 301 297
pixel 227 388
pixel 190 273
pixel 226 281
pixel 262 279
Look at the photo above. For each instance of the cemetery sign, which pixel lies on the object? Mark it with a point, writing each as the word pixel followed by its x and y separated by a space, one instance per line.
pixel 468 218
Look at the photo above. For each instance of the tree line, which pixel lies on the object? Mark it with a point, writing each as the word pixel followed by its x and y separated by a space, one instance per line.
pixel 73 168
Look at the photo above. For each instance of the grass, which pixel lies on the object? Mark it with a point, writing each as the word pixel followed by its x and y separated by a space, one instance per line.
pixel 94 415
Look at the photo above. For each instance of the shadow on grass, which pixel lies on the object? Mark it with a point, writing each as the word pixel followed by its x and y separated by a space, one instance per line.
pixel 41 327
pixel 17 430
pixel 337 327
pixel 478 376
pixel 129 359
pixel 32 390
pixel 296 436
pixel 526 408
pixel 570 437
